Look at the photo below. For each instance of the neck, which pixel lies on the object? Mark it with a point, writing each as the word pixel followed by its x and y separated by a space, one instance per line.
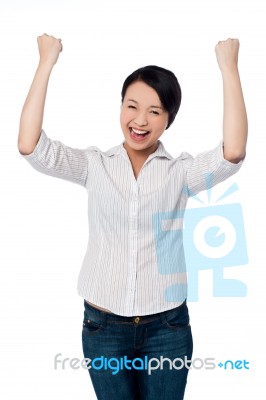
pixel 140 155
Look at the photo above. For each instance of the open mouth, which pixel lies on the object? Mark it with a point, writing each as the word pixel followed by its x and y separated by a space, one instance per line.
pixel 138 135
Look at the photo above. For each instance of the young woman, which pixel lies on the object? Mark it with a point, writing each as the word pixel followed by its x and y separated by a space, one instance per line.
pixel 133 279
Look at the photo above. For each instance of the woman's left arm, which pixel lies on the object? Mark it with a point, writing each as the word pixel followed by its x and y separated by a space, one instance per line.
pixel 235 123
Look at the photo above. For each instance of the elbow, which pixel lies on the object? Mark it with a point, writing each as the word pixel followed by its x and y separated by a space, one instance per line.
pixel 27 142
pixel 26 147
pixel 23 149
pixel 20 147
pixel 235 156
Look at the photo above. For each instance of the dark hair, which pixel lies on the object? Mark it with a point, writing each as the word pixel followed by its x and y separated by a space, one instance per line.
pixel 164 82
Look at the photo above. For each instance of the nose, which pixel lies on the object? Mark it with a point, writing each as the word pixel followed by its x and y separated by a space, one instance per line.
pixel 141 119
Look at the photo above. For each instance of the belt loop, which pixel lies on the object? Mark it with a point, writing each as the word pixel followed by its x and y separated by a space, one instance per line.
pixel 104 318
pixel 162 316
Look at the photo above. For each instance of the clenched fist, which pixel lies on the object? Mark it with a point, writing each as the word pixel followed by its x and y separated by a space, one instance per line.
pixel 227 53
pixel 49 48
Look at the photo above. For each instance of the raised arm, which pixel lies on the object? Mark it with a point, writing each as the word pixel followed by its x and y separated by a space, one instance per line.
pixel 235 124
pixel 32 113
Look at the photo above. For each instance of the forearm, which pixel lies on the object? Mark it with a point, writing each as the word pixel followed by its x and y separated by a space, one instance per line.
pixel 235 124
pixel 32 113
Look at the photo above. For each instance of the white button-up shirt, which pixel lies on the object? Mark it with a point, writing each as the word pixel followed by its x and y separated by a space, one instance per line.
pixel 125 266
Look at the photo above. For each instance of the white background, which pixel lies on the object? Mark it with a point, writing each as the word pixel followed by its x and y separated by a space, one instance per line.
pixel 44 228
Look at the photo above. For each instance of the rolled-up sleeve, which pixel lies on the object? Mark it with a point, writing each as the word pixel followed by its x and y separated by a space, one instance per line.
pixel 208 169
pixel 54 158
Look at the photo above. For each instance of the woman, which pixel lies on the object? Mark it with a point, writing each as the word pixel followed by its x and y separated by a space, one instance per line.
pixel 136 333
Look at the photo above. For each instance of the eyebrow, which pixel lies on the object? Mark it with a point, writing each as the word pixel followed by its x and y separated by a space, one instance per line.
pixel 134 101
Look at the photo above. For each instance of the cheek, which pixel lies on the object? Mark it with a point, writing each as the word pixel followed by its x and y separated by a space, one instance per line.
pixel 125 117
pixel 123 121
pixel 122 117
pixel 162 124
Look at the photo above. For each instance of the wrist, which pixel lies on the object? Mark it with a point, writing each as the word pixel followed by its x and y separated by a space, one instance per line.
pixel 45 65
pixel 229 70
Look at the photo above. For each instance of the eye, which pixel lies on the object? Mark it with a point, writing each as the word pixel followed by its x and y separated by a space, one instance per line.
pixel 155 112
pixel 132 107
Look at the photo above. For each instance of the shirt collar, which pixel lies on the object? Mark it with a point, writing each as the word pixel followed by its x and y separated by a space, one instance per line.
pixel 120 149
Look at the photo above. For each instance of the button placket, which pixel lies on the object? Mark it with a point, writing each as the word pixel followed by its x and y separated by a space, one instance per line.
pixel 133 225
pixel 134 220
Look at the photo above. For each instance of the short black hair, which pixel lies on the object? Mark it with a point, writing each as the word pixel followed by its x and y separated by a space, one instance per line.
pixel 164 82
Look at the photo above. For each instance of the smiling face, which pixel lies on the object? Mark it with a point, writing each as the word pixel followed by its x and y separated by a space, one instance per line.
pixel 143 118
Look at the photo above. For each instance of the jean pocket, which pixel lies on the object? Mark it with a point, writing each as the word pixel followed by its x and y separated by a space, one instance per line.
pixel 91 327
pixel 179 320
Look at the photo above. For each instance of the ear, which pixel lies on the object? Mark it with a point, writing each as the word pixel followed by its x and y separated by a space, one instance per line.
pixel 167 123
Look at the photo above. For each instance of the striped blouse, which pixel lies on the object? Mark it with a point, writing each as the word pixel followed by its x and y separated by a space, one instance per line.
pixel 134 263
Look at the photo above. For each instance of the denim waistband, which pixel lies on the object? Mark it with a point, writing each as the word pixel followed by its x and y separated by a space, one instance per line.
pixel 110 317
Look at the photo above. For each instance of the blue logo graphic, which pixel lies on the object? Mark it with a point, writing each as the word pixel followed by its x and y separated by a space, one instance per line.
pixel 196 239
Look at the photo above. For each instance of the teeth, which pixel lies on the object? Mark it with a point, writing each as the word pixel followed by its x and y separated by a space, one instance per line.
pixel 138 132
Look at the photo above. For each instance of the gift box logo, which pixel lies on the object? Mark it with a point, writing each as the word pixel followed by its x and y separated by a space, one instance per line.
pixel 196 239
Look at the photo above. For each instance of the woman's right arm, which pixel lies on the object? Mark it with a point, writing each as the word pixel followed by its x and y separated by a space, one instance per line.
pixel 32 113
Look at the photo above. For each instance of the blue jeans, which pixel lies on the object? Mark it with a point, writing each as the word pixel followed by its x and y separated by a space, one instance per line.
pixel 166 334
